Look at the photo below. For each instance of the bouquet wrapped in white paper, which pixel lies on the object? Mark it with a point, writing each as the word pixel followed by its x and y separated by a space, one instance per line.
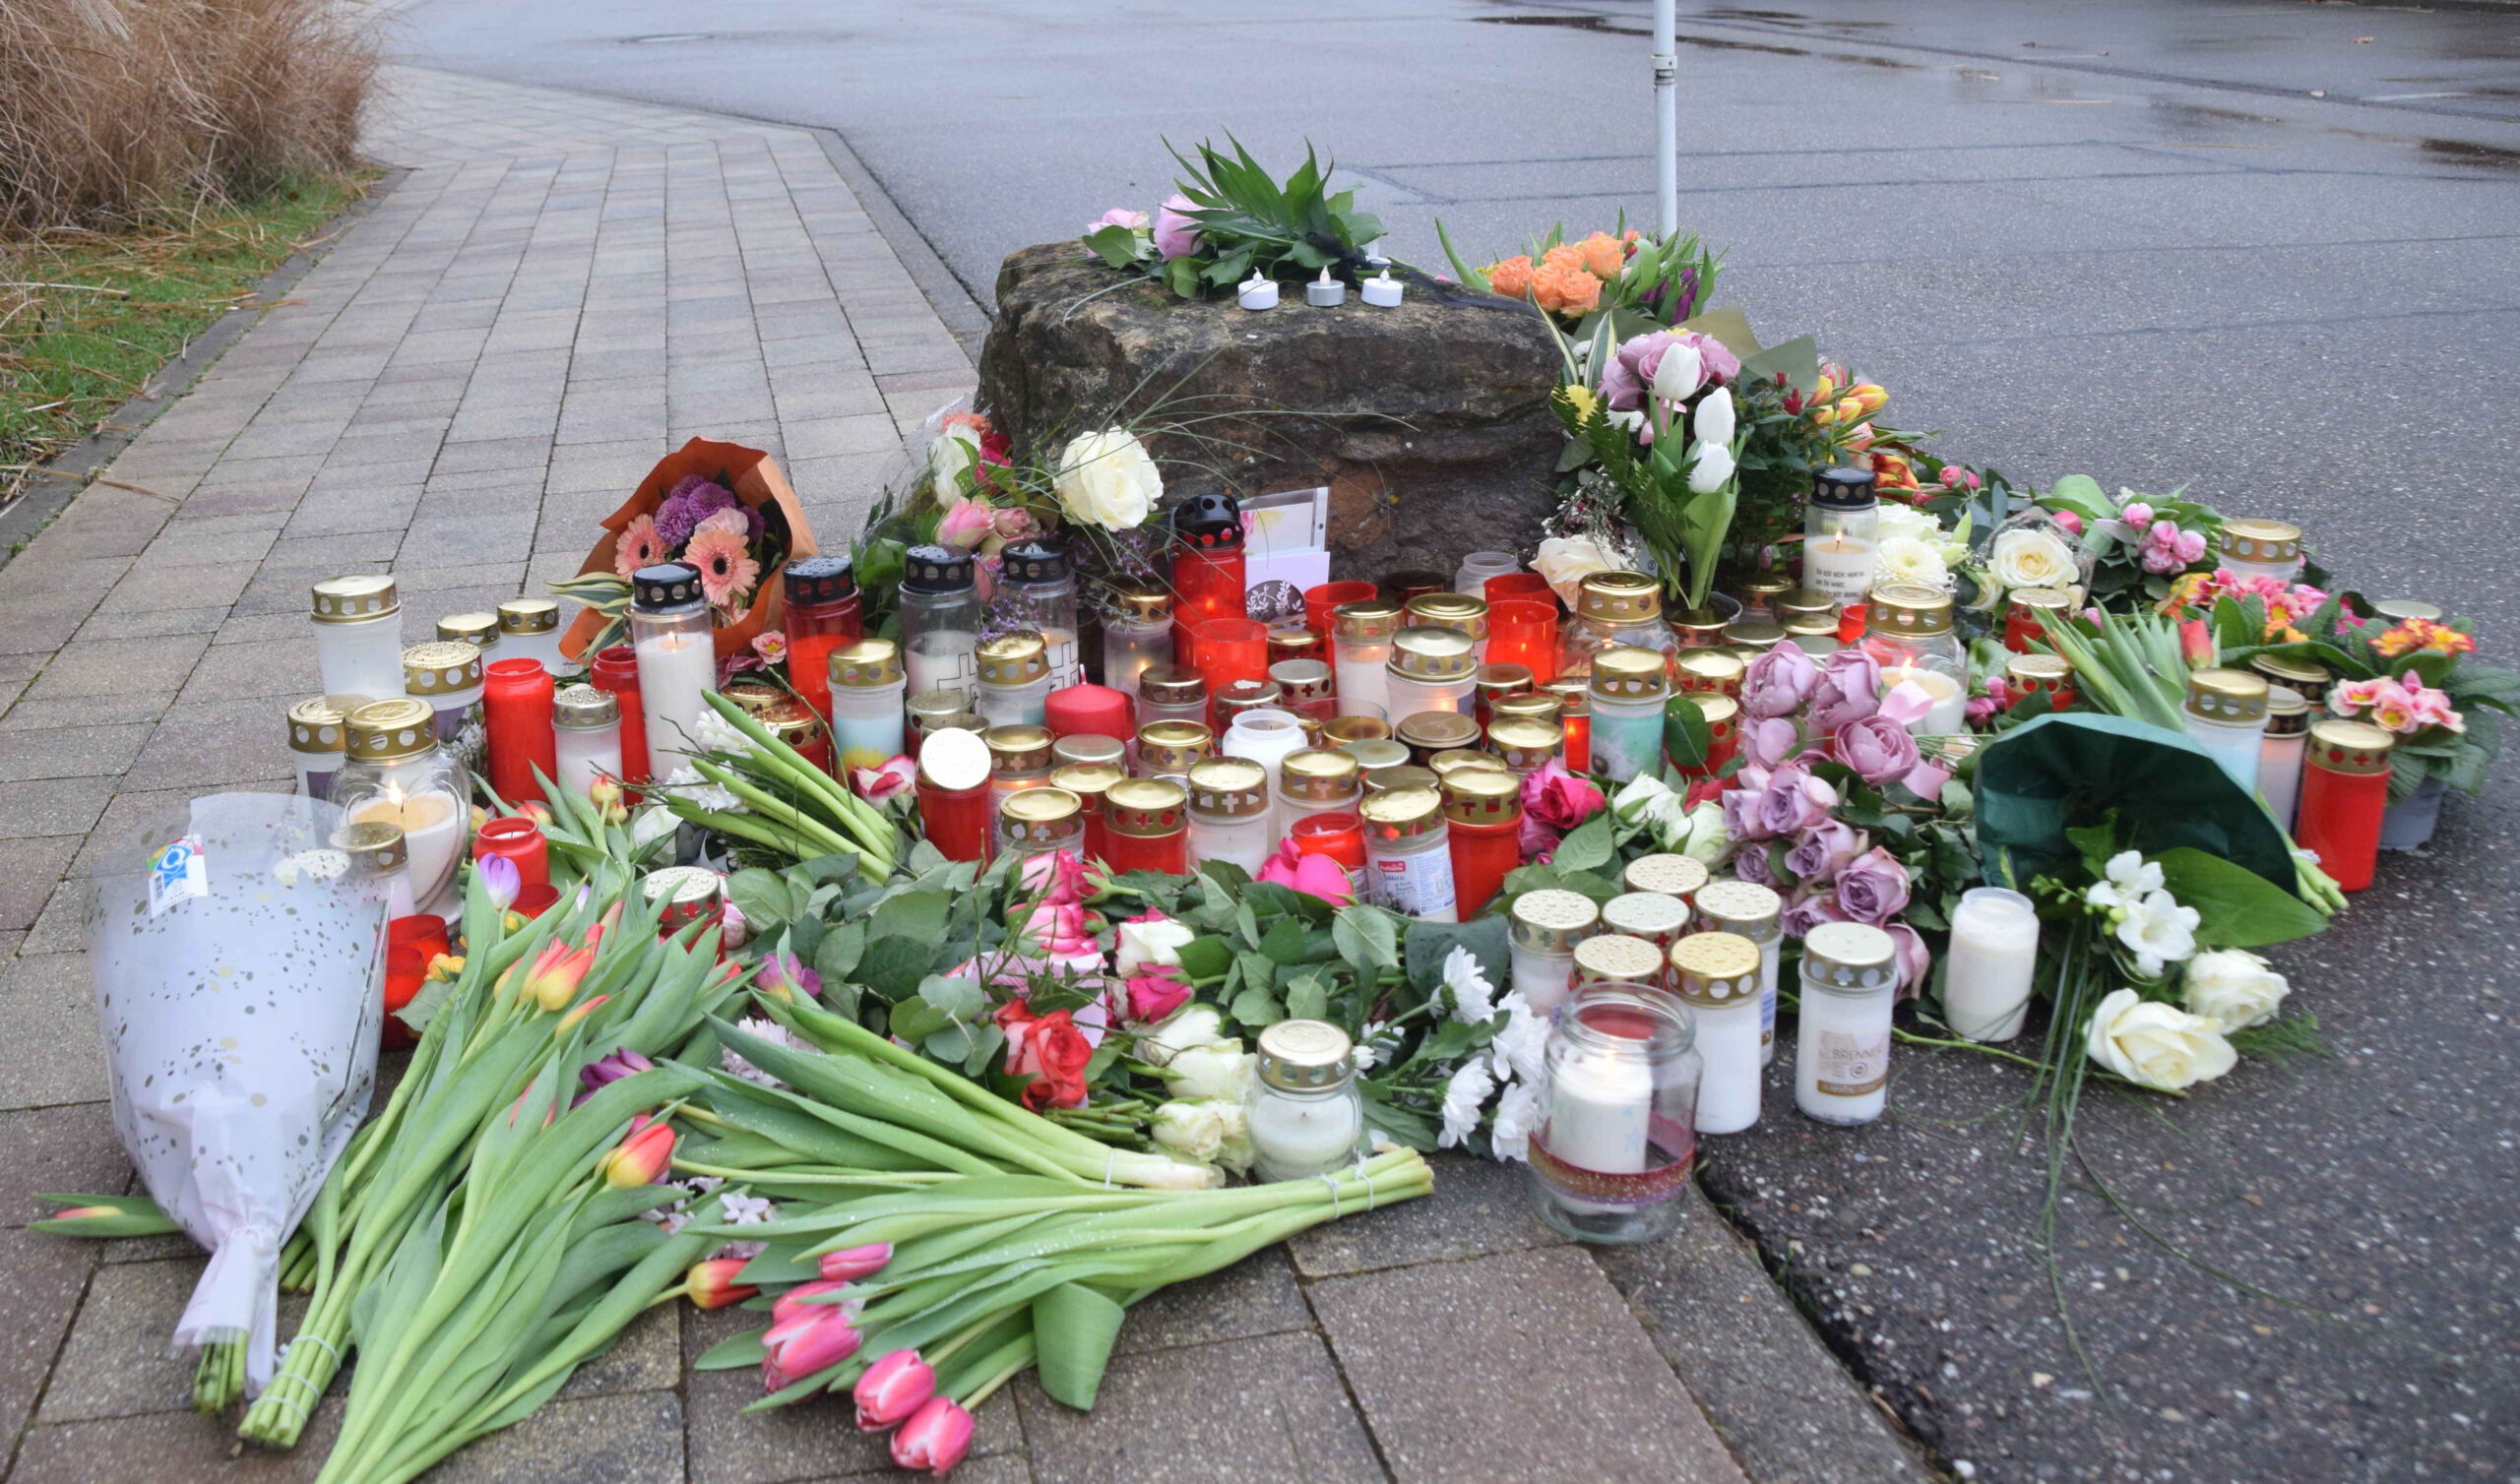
pixel 239 968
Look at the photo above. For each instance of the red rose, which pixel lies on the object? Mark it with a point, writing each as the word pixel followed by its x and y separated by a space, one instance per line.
pixel 1050 1051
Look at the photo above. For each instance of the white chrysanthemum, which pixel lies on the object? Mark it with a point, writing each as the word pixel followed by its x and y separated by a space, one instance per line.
pixel 768 1030
pixel 2158 931
pixel 1374 1043
pixel 1466 991
pixel 1517 1115
pixel 1464 1096
pixel 1906 559
pixel 1519 1047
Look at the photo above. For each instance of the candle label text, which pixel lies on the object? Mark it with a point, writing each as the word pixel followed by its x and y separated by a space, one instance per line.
pixel 1850 1065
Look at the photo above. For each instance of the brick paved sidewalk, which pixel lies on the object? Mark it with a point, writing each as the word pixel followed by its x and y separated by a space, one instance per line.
pixel 558 291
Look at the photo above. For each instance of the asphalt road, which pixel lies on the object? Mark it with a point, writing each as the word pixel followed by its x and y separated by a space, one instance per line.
pixel 2266 249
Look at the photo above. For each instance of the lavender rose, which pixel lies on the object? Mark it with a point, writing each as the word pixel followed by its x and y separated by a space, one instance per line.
pixel 1848 690
pixel 1872 888
pixel 1793 802
pixel 1915 959
pixel 1808 911
pixel 1741 813
pixel 1629 376
pixel 1877 747
pixel 1824 850
pixel 1769 742
pixel 1752 864
pixel 1779 682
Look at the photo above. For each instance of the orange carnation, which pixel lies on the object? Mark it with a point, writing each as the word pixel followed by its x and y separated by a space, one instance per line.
pixel 1564 288
pixel 1511 277
pixel 1602 255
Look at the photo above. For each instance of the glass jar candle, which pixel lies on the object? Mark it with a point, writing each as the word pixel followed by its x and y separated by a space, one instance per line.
pixel 1316 780
pixel 862 686
pixel 2279 755
pixel 1238 695
pixel 1908 632
pixel 1167 749
pixel 1037 591
pixel 1346 731
pixel 2030 611
pixel 1289 638
pixel 1801 602
pixel 2345 793
pixel 1628 688
pixel 1697 629
pixel 1759 592
pixel 1479 568
pixel 585 731
pixel 1014 686
pixel 1497 682
pixel 2398 610
pixel 1171 693
pixel 1839 526
pixel 1614 610
pixel 377 851
pixel 1147 824
pixel 1302 1110
pixel 317 739
pixel 1991 964
pixel 396 772
pixel 1137 634
pixel 530 629
pixel 940 619
pixel 1462 614
pixel 931 712
pixel 1648 916
pixel 1429 670
pixel 615 671
pixel 1575 715
pixel 1038 821
pixel 517 706
pixel 480 630
pixel 1431 732
pixel 1089 782
pixel 1322 602
pixel 1617 1144
pixel 1723 718
pixel 1089 746
pixel 677 659
pixel 1607 957
pixel 518 841
pixel 1842 1053
pixel 1267 737
pixel 1376 756
pixel 1305 688
pixel 1019 757
pixel 2027 675
pixel 1412 582
pixel 824 614
pixel 359 635
pixel 788 718
pixel 1379 780
pixel 1750 638
pixel 1541 704
pixel 2253 547
pixel 1748 911
pixel 1716 976
pixel 1525 746
pixel 1229 802
pixel 447 676
pixel 955 808
pixel 2226 717
pixel 1360 650
pixel 1207 569
pixel 1226 652
pixel 1445 764
pixel 1339 837
pixel 1409 855
pixel 2306 678
pixel 1541 929
pixel 1483 818
pixel 1523 631
pixel 1711 672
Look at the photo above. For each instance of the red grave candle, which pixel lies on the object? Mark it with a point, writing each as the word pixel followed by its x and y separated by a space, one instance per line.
pixel 617 670
pixel 1231 650
pixel 406 970
pixel 1092 711
pixel 1321 600
pixel 1524 631
pixel 1724 734
pixel 954 802
pixel 2345 793
pixel 1484 818
pixel 519 841
pixel 823 614
pixel 516 701
pixel 1207 571
pixel 1146 826
pixel 1516 587
pixel 1340 836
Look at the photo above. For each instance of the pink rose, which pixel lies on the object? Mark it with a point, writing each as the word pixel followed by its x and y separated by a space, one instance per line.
pixel 1824 850
pixel 967 524
pixel 1848 690
pixel 1915 959
pixel 2072 523
pixel 2138 514
pixel 1118 216
pixel 1872 888
pixel 1982 709
pixel 1877 747
pixel 1779 682
pixel 890 782
pixel 1561 799
pixel 1060 929
pixel 1175 235
pixel 1630 373
pixel 1060 876
pixel 1155 994
pixel 1793 802
pixel 1769 742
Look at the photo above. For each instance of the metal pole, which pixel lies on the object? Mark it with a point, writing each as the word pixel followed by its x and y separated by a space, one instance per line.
pixel 1666 116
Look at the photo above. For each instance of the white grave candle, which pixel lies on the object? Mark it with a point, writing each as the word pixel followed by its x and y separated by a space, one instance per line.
pixel 1948 712
pixel 1995 957
pixel 677 668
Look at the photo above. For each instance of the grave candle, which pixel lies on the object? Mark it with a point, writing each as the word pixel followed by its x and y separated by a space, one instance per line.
pixel 1995 957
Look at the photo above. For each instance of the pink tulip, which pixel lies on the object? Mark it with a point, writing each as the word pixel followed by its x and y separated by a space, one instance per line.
pixel 935 1437
pixel 2138 514
pixel 797 1348
pixel 856 1261
pixel 893 1390
pixel 800 1300
pixel 2072 523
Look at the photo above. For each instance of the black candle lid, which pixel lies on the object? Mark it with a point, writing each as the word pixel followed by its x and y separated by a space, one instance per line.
pixel 820 580
pixel 667 585
pixel 936 568
pixel 1043 559
pixel 1210 523
pixel 1843 489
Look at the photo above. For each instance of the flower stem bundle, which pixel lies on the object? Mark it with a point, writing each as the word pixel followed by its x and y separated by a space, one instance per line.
pixel 790 806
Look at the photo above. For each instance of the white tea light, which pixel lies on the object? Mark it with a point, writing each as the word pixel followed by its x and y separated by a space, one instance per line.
pixel 1325 292
pixel 1258 293
pixel 1381 291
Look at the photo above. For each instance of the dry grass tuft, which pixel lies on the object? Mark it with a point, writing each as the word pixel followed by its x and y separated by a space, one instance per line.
pixel 120 113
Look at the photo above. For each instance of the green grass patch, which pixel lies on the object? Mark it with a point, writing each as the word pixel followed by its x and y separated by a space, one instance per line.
pixel 87 319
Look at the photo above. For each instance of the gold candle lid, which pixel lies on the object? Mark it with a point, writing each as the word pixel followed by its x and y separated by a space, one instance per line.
pixel 1240 695
pixel 1574 696
pixel 1714 669
pixel 1665 874
pixel 1720 714
pixel 1432 655
pixel 354 600
pixel 1427 733
pixel 682 886
pixel 1143 606
pixel 1802 602
pixel 1016 659
pixel 1234 788
pixel 1018 749
pixel 1291 640
pixel 1624 673
pixel 1499 681
pixel 529 615
pixel 1523 744
pixel 441 668
pixel 1340 731
pixel 1525 705
pixel 1619 598
pixel 1456 611
pixel 1617 959
pixel 2272 542
pixel 1048 816
pixel 1760 590
pixel 1145 808
pixel 387 731
pixel 1319 776
pixel 480 630
pixel 2041 601
pixel 1481 796
pixel 1850 957
pixel 2288 712
pixel 1172 685
pixel 1173 746
pixel 2038 672
pixel 1911 610
pixel 584 708
pixel 1550 920
pixel 934 706
pixel 1741 907
pixel 1802 626
pixel 872 663
pixel 758 698
pixel 375 846
pixel 2226 696
pixel 1087 780
pixel 1405 775
pixel 1754 634
pixel 1301 681
pixel 2348 747
pixel 1453 760
pixel 2306 677
pixel 1716 970
pixel 1304 1056
pixel 317 726
pixel 1375 754
pixel 2400 610
pixel 1371 619
pixel 1089 746
pixel 1650 916
pixel 1399 814
pixel 1697 628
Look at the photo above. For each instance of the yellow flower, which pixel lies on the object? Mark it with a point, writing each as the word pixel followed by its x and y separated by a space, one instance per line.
pixel 445 967
pixel 1581 399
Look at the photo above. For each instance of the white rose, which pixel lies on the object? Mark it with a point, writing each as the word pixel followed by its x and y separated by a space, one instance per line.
pixel 1190 1027
pixel 652 823
pixel 1158 942
pixel 1193 1131
pixel 2028 558
pixel 1706 839
pixel 1235 1152
pixel 1906 559
pixel 1563 562
pixel 1634 803
pixel 952 452
pixel 1222 1069
pixel 2233 988
pixel 1894 520
pixel 1106 478
pixel 2157 1046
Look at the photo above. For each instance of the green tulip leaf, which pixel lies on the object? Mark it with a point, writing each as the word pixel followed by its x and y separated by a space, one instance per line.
pixel 1073 1331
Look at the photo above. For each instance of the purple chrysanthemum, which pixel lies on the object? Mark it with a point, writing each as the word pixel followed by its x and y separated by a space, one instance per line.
pixel 691 502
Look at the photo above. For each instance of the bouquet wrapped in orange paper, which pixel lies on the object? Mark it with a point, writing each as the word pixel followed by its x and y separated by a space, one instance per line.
pixel 724 509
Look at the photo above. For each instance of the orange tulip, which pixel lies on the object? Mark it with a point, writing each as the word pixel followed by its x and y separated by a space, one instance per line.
pixel 642 1157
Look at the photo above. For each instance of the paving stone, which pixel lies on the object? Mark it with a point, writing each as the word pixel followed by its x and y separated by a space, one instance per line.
pixel 247 498
pixel 1264 1410
pixel 51 1051
pixel 1473 1370
pixel 632 1439
pixel 104 666
pixel 269 667
pixel 116 1364
pixel 29 868
pixel 149 623
pixel 210 742
pixel 170 1446
pixel 70 1149
pixel 1255 1296
pixel 41 1279
pixel 63 806
pixel 1479 1206
pixel 82 752
pixel 645 1357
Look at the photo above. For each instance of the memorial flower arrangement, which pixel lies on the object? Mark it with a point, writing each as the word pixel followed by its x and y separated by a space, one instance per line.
pixel 1634 281
pixel 2418 678
pixel 1230 220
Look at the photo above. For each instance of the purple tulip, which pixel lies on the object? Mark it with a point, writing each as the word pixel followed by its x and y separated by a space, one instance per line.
pixel 1848 690
pixel 1877 747
pixel 1778 683
pixel 1872 888
pixel 1824 850
pixel 501 879
pixel 608 1068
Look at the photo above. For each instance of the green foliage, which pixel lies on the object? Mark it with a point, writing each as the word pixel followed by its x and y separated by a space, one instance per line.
pixel 1249 224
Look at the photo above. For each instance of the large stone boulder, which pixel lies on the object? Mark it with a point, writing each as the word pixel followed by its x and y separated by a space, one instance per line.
pixel 1430 422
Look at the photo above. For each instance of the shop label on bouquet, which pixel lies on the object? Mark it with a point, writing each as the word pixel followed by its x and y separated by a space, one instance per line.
pixel 179 873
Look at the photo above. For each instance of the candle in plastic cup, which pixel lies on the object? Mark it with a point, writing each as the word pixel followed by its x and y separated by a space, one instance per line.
pixel 1524 631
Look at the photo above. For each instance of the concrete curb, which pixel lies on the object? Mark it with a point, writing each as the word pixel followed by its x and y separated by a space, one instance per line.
pixel 963 314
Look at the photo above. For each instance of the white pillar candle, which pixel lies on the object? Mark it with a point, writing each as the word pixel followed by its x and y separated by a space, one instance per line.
pixel 1840 566
pixel 944 659
pixel 1266 735
pixel 1381 291
pixel 1361 670
pixel 1948 712
pixel 1601 1109
pixel 1994 958
pixel 1728 1090
pixel 584 754
pixel 677 668
pixel 1296 1137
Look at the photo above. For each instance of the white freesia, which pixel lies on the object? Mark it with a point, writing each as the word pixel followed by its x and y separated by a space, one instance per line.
pixel 1679 373
pixel 1715 418
pixel 1518 1113
pixel 1563 562
pixel 1711 468
pixel 1906 559
pixel 1189 1027
pixel 1376 1041
pixel 2127 879
pixel 1106 478
pixel 1224 1070
pixel 2158 931
pixel 718 734
pixel 2028 558
pixel 688 783
pixel 1465 988
pixel 1632 421
pixel 949 457
pixel 1193 1131
pixel 2155 1044
pixel 1464 1096
pixel 1158 942
pixel 2233 988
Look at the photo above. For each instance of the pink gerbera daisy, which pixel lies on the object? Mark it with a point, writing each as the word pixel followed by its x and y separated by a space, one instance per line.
pixel 637 546
pixel 727 569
